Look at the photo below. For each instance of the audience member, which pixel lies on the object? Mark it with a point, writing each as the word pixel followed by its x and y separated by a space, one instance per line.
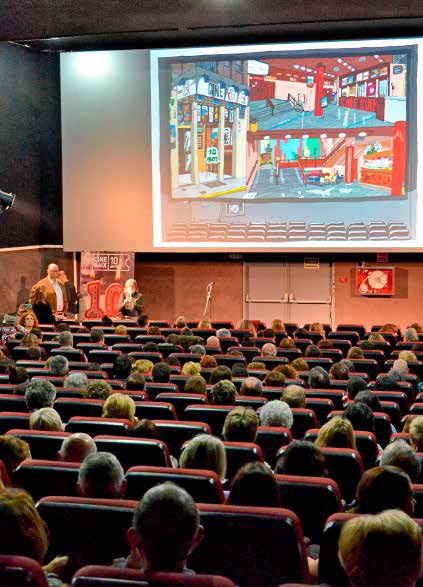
pixel 135 382
pixel 355 385
pixel 161 373
pixel 248 325
pixel 208 362
pixel 325 343
pixel 299 365
pixel 101 475
pixel 120 405
pixel 241 425
pixel 239 370
pixel 76 379
pixel 274 379
pixel 222 393
pixel 98 389
pixel 180 322
pixel 313 351
pixel 360 416
pixel 190 368
pixel 318 378
pixel 40 393
pixel 24 533
pixel 400 454
pixel 302 458
pixel 287 343
pixel 213 342
pixel 165 530
pixel 254 485
pixel 355 352
pixel 385 382
pixel 294 396
pixel 410 335
pixel 370 399
pixel 76 447
pixel 145 429
pixel 384 550
pixel 46 419
pixel 197 349
pixel 339 371
pixel 401 367
pixel 384 488
pixel 122 367
pixel 143 367
pixel 13 451
pixel 204 452
pixel 416 433
pixel 269 350
pixel 59 366
pixel 223 333
pixel 336 433
pixel 97 336
pixel 221 372
pixel 195 384
pixel 276 413
pixel 251 386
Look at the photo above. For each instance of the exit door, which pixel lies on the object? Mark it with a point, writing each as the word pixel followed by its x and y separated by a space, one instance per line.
pixel 288 291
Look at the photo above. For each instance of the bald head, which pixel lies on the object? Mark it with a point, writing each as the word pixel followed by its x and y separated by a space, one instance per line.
pixel 52 271
pixel 76 447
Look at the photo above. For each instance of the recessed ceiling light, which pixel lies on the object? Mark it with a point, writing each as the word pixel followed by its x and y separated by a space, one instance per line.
pixel 342 135
pixel 296 66
pixel 288 136
pixel 324 136
pixel 305 136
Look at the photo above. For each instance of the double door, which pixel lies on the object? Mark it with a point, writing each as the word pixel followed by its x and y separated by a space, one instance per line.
pixel 288 291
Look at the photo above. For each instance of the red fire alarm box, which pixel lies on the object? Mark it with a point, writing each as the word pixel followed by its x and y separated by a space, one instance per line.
pixel 375 281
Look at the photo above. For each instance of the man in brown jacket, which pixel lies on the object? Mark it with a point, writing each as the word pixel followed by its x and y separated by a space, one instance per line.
pixel 55 290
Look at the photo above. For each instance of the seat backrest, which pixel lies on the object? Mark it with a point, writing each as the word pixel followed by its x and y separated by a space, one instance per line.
pixel 369 366
pixel 103 576
pixel 321 407
pixel 68 407
pixel 345 467
pixel 254 536
pixel 70 354
pixel 94 426
pixel 17 571
pixel 181 400
pixel 313 499
pixel 335 395
pixel 350 335
pixel 324 362
pixel 290 354
pixel 203 486
pixel 239 454
pixel 229 360
pixel 102 356
pixel 42 443
pixel 156 410
pixel 9 420
pixel 131 452
pixel 175 432
pixel 214 415
pixel 146 356
pixel 330 569
pixel 10 402
pixel 153 389
pixel 304 419
pixel 270 439
pixel 359 328
pixel 251 401
pixel 107 519
pixel 42 477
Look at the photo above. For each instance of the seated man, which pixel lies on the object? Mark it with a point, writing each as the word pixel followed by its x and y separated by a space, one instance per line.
pixel 76 447
pixel 97 336
pixel 59 366
pixel 161 373
pixel 66 343
pixel 251 386
pixel 40 393
pixel 101 475
pixel 166 529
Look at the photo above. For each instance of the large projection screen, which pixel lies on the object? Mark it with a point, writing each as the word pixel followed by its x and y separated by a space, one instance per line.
pixel 310 146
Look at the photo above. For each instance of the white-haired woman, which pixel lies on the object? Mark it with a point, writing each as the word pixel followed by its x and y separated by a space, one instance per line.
pixel 132 303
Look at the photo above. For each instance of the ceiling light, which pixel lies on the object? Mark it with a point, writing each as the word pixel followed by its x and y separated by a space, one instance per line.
pixel 288 136
pixel 362 134
pixel 305 137
pixel 296 66
pixel 324 136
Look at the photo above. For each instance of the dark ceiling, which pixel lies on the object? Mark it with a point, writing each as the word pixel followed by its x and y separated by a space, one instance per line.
pixel 131 23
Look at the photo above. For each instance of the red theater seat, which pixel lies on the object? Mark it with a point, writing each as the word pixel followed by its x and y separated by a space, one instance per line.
pixel 68 407
pixel 94 426
pixel 42 443
pixel 239 454
pixel 313 499
pixel 175 432
pixel 41 477
pixel 16 571
pixel 214 415
pixel 131 452
pixel 250 545
pixel 204 486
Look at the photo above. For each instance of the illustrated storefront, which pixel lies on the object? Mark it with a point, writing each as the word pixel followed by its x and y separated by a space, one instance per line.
pixel 208 125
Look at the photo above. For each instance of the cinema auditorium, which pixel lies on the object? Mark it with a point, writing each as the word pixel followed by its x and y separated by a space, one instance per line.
pixel 211 354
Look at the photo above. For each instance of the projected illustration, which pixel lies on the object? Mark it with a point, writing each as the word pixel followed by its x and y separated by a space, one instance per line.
pixel 272 139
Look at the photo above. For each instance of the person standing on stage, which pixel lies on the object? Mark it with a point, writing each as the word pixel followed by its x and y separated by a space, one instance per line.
pixel 71 293
pixel 132 303
pixel 55 292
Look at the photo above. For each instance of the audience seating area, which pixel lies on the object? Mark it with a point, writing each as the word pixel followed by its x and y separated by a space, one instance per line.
pixel 251 546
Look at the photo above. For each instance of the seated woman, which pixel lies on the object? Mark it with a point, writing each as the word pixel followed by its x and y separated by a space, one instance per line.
pixel 302 458
pixel 384 488
pixel 24 532
pixel 277 325
pixel 30 341
pixel 45 419
pixel 205 452
pixel 336 433
pixel 254 485
pixel 248 325
pixel 120 405
pixel 26 322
